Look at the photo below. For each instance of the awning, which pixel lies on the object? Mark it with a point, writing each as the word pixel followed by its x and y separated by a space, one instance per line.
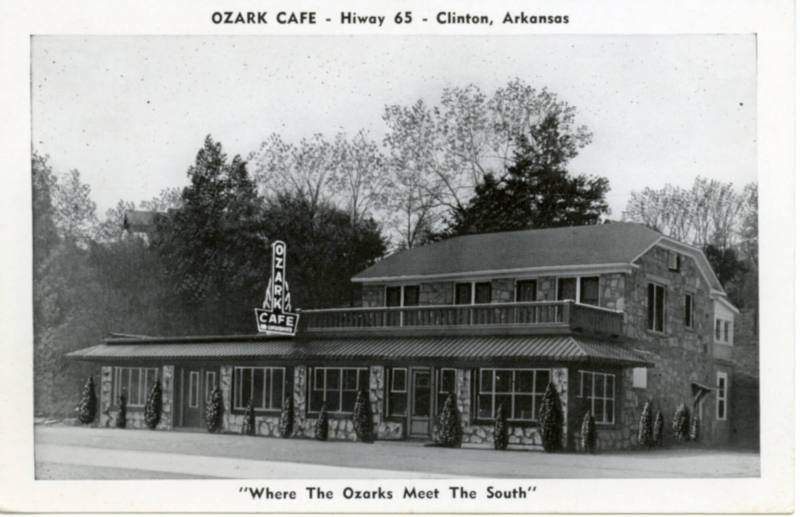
pixel 561 348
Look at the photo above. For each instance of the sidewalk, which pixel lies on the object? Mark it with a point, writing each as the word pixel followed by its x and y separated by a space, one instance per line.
pixel 235 456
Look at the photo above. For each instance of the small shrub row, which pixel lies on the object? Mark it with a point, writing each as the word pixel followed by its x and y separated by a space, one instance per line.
pixel 685 427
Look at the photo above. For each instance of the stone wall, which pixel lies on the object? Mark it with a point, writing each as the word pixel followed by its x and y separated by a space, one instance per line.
pixel 503 290
pixel 436 293
pixel 134 416
pixel 546 288
pixel 612 291
pixel 372 295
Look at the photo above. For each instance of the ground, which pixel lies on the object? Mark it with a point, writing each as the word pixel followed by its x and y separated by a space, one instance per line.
pixel 66 452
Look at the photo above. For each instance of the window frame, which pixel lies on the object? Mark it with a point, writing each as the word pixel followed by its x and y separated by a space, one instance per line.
pixel 651 311
pixel 512 393
pixel 688 310
pixel 311 387
pixel 142 389
pixel 673 261
pixel 236 382
pixel 605 398
pixel 578 279
pixel 723 331
pixel 722 396
pixel 439 382
pixel 517 290
pixel 390 415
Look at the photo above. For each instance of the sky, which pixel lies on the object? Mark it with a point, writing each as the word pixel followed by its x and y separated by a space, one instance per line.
pixel 130 112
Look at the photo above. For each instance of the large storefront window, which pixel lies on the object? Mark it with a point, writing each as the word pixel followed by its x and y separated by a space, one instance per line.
pixel 137 383
pixel 337 387
pixel 263 385
pixel 519 390
pixel 597 391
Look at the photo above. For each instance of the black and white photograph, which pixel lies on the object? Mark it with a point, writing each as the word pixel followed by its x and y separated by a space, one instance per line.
pixel 368 257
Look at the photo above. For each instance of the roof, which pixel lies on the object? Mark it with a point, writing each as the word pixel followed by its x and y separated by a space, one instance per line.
pixel 473 348
pixel 614 243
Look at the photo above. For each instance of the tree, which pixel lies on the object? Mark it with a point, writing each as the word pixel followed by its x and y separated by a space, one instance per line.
pixel 286 423
pixel 74 209
pixel 122 411
pixel 500 434
pixel 537 191
pixel 588 433
pixel 658 430
pixel 449 424
pixel 249 420
pixel 551 419
pixel 152 408
pixel 362 417
pixel 214 411
pixel 680 423
pixel 645 436
pixel 87 407
pixel 321 428
pixel 694 429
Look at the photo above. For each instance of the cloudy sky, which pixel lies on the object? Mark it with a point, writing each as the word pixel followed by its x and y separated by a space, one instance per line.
pixel 131 112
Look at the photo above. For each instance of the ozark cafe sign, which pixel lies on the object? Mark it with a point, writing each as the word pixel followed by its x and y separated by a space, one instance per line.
pixel 276 314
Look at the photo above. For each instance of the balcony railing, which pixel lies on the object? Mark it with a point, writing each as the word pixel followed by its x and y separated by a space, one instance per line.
pixel 527 315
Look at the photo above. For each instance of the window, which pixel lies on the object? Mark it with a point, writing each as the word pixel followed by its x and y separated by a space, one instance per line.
pixel 194 389
pixel 722 331
pixel 337 387
pixel 526 291
pixel 135 382
pixel 688 311
pixel 445 385
pixel 567 289
pixel 655 307
pixel 483 292
pixel 640 378
pixel 590 290
pixel 726 331
pixel 674 261
pixel 520 391
pixel 393 297
pixel 722 396
pixel 597 392
pixel 263 385
pixel 211 383
pixel 463 293
pixel 398 392
pixel 411 295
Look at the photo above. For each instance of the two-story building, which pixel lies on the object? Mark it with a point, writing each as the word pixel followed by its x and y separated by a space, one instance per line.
pixel 613 315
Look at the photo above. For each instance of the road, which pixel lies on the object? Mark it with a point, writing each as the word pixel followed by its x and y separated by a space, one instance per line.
pixel 64 452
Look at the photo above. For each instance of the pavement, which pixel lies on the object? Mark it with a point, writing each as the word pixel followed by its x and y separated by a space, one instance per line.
pixel 66 452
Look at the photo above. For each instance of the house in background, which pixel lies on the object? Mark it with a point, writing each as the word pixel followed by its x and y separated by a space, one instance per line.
pixel 613 315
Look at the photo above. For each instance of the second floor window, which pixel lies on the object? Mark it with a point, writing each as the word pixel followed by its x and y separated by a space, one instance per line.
pixel 655 307
pixel 393 297
pixel 722 331
pixel 463 294
pixel 688 309
pixel 590 290
pixel 411 295
pixel 407 295
pixel 483 292
pixel 526 291
pixel 567 289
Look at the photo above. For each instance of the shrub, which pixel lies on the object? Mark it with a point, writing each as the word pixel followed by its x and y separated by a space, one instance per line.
pixel 658 430
pixel 249 420
pixel 680 423
pixel 121 416
pixel 321 430
pixel 449 424
pixel 646 426
pixel 214 409
pixel 87 407
pixel 287 418
pixel 588 433
pixel 694 429
pixel 551 419
pixel 500 429
pixel 362 417
pixel 152 408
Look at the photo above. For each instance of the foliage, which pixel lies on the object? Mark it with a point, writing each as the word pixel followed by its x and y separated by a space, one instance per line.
pixel 87 407
pixel 321 428
pixel 694 429
pixel 286 423
pixel 551 419
pixel 726 264
pixel 500 429
pixel 588 433
pixel 249 420
pixel 537 191
pixel 449 424
pixel 658 430
pixel 122 420
pixel 362 417
pixel 645 436
pixel 680 423
pixel 152 408
pixel 214 411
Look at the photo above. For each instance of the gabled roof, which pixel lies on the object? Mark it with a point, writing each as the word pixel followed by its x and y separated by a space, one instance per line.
pixel 606 244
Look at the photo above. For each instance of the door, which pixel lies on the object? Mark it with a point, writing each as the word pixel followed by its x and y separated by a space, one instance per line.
pixel 421 407
pixel 196 383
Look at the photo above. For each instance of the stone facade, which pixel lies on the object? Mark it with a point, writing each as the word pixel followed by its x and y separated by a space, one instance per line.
pixel 503 290
pixel 134 417
pixel 436 293
pixel 372 295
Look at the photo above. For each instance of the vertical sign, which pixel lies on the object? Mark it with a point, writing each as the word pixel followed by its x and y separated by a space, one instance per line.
pixel 276 314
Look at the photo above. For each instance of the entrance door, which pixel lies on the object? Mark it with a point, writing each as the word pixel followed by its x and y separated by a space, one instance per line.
pixel 196 383
pixel 421 393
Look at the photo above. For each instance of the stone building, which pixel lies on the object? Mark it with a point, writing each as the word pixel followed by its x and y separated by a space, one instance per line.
pixel 613 315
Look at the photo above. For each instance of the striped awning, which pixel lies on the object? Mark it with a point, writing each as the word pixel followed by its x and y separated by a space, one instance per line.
pixel 562 348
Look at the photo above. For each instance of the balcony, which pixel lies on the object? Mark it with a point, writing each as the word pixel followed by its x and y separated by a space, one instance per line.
pixel 547 317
